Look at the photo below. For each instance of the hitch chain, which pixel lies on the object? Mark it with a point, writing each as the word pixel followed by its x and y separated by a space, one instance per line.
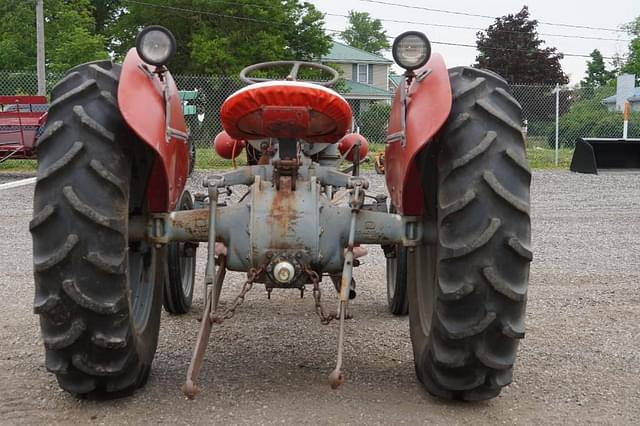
pixel 324 318
pixel 219 318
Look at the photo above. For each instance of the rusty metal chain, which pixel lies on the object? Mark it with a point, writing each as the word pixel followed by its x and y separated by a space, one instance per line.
pixel 231 310
pixel 324 318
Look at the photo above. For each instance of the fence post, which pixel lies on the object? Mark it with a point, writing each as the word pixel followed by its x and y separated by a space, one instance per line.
pixel 557 119
pixel 40 66
pixel 625 123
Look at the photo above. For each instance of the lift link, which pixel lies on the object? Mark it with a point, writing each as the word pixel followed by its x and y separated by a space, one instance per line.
pixel 356 201
pixel 210 317
pixel 214 275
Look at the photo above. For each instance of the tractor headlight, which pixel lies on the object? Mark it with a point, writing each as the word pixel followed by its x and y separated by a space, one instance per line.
pixel 411 50
pixel 155 45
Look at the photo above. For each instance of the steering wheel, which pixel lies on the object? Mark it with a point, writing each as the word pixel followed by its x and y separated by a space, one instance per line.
pixel 293 74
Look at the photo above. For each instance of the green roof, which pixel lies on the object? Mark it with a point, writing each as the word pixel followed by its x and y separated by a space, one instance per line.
pixel 395 79
pixel 343 53
pixel 359 90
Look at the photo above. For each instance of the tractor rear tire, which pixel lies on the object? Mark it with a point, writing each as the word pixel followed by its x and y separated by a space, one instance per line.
pixel 397 282
pixel 181 269
pixel 397 278
pixel 98 296
pixel 468 290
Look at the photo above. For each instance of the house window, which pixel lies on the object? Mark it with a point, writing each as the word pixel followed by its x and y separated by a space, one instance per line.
pixel 363 73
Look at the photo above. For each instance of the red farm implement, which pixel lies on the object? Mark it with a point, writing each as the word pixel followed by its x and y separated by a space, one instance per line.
pixel 21 118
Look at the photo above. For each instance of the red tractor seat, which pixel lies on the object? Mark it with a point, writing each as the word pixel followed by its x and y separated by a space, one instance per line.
pixel 286 109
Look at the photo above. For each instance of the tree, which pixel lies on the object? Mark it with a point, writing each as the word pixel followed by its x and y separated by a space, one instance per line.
pixel 365 33
pixel 597 74
pixel 105 12
pixel 511 47
pixel 223 37
pixel 70 36
pixel 632 62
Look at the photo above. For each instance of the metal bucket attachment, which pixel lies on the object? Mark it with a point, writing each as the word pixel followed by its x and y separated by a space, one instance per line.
pixel 593 154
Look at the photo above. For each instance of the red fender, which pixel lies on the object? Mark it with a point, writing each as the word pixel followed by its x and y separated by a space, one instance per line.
pixel 429 105
pixel 143 108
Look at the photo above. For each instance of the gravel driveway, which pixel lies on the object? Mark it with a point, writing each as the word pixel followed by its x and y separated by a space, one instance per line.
pixel 580 361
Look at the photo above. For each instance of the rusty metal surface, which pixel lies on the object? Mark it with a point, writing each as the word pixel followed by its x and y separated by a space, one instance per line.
pixel 284 219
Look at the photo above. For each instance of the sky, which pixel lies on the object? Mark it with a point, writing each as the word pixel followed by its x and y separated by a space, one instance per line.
pixel 588 13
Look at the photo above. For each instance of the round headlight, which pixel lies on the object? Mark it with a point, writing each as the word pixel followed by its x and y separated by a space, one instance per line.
pixel 155 45
pixel 411 50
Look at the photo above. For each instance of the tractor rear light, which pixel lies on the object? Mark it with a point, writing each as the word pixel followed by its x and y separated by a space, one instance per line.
pixel 155 45
pixel 411 50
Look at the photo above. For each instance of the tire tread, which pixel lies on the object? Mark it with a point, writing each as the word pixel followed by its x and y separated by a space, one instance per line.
pixel 80 255
pixel 482 263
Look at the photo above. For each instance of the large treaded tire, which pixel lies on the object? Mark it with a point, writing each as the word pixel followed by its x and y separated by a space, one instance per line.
pixel 468 291
pixel 99 298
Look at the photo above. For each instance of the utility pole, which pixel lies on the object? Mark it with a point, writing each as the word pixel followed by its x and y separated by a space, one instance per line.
pixel 42 79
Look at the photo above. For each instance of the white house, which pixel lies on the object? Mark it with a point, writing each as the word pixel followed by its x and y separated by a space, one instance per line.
pixel 625 92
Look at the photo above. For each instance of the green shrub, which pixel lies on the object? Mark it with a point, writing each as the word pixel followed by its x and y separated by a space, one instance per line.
pixel 589 118
pixel 373 122
pixel 540 127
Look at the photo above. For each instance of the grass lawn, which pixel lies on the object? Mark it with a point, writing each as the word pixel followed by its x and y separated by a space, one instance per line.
pixel 18 166
pixel 540 156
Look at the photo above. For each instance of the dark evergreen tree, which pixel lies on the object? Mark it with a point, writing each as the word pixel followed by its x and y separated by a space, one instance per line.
pixel 511 47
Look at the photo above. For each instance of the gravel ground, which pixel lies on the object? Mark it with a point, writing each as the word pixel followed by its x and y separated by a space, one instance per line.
pixel 579 364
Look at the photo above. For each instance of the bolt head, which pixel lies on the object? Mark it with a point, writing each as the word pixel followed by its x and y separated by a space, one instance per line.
pixel 284 272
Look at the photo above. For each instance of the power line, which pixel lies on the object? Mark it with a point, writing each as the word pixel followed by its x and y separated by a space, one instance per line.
pixel 448 43
pixel 243 18
pixel 451 12
pixel 203 12
pixel 183 9
pixel 464 27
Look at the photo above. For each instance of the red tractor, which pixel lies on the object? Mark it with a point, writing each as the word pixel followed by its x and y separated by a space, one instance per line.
pixel 115 233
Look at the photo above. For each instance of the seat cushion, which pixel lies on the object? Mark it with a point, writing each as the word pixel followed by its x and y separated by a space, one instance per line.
pixel 286 109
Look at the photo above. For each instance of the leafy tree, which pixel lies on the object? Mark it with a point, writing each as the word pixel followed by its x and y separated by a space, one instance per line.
pixel 70 36
pixel 70 45
pixel 511 47
pixel 105 13
pixel 222 37
pixel 597 74
pixel 365 33
pixel 17 36
pixel 632 63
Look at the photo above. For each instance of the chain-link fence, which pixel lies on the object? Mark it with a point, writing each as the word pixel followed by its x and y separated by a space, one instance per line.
pixel 574 113
pixel 554 117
